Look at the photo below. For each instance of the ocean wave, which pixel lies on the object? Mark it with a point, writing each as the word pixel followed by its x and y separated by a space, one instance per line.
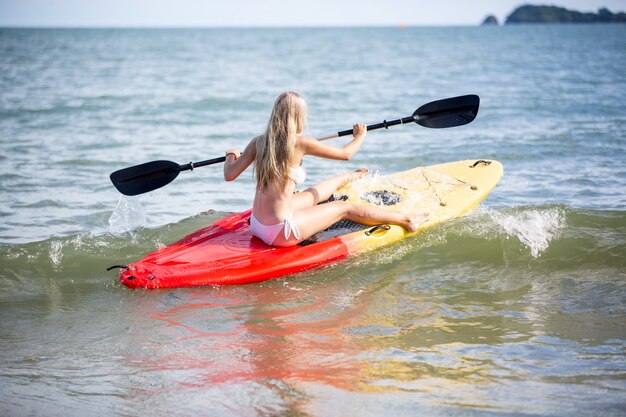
pixel 546 237
pixel 82 258
pixel 550 236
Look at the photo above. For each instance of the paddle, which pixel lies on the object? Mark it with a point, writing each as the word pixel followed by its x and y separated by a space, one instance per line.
pixel 449 112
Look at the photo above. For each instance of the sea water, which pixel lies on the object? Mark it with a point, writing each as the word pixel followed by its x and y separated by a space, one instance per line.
pixel 516 308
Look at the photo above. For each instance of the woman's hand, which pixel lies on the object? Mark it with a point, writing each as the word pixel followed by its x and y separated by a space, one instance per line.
pixel 360 173
pixel 359 130
pixel 234 152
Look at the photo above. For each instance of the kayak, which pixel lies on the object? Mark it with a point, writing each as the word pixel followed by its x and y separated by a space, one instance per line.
pixel 225 253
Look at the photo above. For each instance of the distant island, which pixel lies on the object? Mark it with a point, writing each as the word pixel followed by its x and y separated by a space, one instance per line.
pixel 554 14
pixel 490 20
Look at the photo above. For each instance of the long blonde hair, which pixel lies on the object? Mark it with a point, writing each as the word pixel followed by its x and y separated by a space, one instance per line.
pixel 275 148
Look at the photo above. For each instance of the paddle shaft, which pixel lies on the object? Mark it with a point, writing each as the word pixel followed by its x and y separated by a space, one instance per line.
pixel 384 124
pixel 192 165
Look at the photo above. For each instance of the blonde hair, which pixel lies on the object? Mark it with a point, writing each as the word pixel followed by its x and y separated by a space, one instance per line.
pixel 275 148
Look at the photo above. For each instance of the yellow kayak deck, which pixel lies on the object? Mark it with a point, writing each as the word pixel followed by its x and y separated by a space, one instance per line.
pixel 445 191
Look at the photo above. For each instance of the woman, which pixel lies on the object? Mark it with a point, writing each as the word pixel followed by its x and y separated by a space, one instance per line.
pixel 281 217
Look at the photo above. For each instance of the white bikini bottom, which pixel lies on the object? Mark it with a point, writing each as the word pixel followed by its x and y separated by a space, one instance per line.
pixel 268 233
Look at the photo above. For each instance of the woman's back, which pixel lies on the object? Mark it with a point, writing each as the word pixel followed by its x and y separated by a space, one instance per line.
pixel 273 204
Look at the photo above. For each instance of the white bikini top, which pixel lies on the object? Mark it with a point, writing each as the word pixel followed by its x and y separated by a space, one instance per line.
pixel 297 175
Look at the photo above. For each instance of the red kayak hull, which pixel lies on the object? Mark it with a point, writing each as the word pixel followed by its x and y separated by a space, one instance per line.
pixel 225 253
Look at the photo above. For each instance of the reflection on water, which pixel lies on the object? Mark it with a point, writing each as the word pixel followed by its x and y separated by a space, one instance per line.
pixel 316 343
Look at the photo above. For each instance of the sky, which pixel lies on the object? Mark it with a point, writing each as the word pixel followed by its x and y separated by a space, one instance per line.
pixel 246 13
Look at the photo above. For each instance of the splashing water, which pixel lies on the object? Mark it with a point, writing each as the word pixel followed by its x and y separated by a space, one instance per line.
pixel 391 192
pixel 535 228
pixel 128 215
pixel 56 253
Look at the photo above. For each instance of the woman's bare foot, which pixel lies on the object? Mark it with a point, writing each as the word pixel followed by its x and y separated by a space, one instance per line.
pixel 360 173
pixel 413 221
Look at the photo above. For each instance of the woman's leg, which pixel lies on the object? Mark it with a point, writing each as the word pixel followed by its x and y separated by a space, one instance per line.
pixel 323 190
pixel 317 218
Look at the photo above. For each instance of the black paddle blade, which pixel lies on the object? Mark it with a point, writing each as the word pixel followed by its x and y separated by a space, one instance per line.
pixel 449 112
pixel 146 177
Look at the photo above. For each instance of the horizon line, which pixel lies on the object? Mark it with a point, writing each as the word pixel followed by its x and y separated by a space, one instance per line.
pixel 261 26
pixel 367 26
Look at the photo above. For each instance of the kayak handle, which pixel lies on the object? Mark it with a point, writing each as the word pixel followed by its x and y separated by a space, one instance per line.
pixel 375 228
pixel 117 266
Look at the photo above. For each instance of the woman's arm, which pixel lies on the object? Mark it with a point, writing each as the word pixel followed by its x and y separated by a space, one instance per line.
pixel 237 163
pixel 316 148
